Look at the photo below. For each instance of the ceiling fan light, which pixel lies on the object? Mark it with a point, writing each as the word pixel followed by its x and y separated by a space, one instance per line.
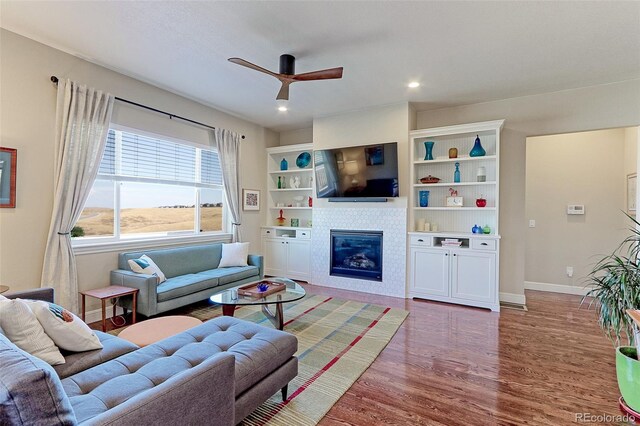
pixel 282 108
pixel 413 84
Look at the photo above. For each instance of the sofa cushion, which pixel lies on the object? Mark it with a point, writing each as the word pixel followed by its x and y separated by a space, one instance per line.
pixel 231 274
pixel 112 348
pixel 145 265
pixel 20 325
pixel 30 391
pixel 184 284
pixel 179 261
pixel 63 327
pixel 234 254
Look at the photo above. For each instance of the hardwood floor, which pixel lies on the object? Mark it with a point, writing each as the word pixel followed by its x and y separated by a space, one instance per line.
pixel 454 365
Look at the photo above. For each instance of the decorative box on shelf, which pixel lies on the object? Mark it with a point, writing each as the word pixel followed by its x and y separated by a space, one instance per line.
pixel 454 202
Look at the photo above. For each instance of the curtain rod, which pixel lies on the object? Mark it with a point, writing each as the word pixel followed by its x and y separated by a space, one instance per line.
pixel 54 79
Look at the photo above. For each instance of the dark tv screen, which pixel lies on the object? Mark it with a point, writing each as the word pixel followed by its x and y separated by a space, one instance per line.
pixel 358 171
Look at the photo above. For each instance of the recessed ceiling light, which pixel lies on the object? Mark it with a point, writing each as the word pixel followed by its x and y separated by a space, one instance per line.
pixel 413 84
pixel 282 108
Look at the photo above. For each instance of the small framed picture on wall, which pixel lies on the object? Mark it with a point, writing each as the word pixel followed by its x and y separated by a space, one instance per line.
pixel 632 185
pixel 250 199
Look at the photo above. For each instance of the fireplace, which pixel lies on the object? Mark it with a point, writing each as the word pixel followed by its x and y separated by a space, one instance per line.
pixel 356 254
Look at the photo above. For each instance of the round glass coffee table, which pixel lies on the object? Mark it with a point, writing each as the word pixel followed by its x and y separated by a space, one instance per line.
pixel 230 298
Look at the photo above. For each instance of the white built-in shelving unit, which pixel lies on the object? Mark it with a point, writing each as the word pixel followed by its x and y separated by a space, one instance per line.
pixel 287 248
pixel 467 274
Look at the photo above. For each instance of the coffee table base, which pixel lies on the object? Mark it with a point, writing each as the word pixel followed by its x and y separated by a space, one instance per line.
pixel 277 318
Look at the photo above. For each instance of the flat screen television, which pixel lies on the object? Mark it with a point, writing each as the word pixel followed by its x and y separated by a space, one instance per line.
pixel 357 172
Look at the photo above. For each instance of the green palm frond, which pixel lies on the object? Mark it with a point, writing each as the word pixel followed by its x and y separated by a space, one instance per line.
pixel 615 287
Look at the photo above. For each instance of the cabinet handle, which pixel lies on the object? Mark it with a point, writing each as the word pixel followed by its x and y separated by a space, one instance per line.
pixel 446 254
pixel 483 244
pixel 420 240
pixel 454 254
pixel 268 232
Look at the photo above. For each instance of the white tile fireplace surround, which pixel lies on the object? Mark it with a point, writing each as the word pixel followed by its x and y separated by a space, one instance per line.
pixel 393 224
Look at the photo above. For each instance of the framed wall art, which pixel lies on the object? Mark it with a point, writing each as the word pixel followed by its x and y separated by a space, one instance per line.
pixel 8 163
pixel 250 199
pixel 632 185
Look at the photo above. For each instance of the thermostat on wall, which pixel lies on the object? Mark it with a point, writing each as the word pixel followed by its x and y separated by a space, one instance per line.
pixel 575 209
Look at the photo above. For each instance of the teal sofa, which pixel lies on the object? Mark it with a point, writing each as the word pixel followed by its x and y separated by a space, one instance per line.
pixel 192 275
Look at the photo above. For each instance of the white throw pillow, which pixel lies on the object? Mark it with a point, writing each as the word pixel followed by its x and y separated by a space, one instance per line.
pixel 3 298
pixel 21 326
pixel 234 254
pixel 144 265
pixel 65 329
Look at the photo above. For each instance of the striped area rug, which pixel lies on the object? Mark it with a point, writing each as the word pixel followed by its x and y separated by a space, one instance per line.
pixel 337 341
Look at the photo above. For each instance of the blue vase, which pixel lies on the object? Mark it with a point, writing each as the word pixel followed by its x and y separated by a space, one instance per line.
pixel 429 147
pixel 424 198
pixel 456 174
pixel 284 165
pixel 477 150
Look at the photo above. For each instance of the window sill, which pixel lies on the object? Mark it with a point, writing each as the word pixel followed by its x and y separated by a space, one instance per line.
pixel 111 246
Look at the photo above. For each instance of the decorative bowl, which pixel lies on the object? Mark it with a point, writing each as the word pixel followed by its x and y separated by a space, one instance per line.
pixel 429 179
pixel 303 160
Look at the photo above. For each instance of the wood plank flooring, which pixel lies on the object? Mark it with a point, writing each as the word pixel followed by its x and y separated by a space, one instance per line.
pixel 454 365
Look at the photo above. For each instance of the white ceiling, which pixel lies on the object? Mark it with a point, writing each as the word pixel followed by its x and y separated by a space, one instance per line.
pixel 461 52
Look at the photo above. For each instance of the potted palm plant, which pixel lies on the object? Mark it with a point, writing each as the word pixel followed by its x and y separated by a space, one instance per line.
pixel 615 288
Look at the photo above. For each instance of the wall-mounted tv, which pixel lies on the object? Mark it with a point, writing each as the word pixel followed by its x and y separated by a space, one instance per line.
pixel 368 171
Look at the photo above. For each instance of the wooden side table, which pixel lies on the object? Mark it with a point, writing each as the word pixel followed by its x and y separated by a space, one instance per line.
pixel 108 293
pixel 4 288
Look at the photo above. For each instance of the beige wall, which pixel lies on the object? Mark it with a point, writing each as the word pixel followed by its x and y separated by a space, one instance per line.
pixel 298 136
pixel 576 168
pixel 27 114
pixel 590 108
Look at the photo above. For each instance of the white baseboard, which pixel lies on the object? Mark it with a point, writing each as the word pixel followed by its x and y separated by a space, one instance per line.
pixel 96 314
pixel 517 299
pixel 556 288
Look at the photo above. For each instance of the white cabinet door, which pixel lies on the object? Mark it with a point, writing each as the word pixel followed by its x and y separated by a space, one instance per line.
pixel 430 271
pixel 275 257
pixel 298 259
pixel 473 275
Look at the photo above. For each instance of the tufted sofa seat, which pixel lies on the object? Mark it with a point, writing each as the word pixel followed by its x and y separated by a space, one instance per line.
pixel 258 351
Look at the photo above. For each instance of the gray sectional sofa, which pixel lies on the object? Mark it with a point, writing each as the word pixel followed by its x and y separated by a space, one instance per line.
pixel 213 374
pixel 192 275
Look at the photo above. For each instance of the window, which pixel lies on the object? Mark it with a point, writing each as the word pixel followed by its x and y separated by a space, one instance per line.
pixel 150 187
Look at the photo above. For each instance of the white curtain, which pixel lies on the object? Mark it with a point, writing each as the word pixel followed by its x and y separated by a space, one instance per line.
pixel 228 145
pixel 82 122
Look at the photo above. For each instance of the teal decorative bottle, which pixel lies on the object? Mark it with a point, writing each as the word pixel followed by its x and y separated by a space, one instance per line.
pixel 456 174
pixel 284 165
pixel 477 150
pixel 279 183
pixel 429 147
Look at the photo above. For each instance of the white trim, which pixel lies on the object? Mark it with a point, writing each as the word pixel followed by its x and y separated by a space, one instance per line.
pixel 121 245
pixel 291 148
pixel 96 314
pixel 517 299
pixel 556 288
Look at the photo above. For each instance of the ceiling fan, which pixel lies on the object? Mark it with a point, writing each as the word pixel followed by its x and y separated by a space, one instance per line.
pixel 287 74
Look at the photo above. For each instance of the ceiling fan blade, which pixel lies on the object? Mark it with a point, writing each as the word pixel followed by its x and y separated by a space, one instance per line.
pixel 284 91
pixel 319 75
pixel 248 64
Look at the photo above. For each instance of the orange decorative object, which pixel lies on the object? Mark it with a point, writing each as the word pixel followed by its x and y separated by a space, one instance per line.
pixel 281 220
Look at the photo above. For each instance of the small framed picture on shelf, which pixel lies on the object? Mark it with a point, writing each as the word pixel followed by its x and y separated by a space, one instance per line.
pixel 295 223
pixel 8 164
pixel 632 184
pixel 250 199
